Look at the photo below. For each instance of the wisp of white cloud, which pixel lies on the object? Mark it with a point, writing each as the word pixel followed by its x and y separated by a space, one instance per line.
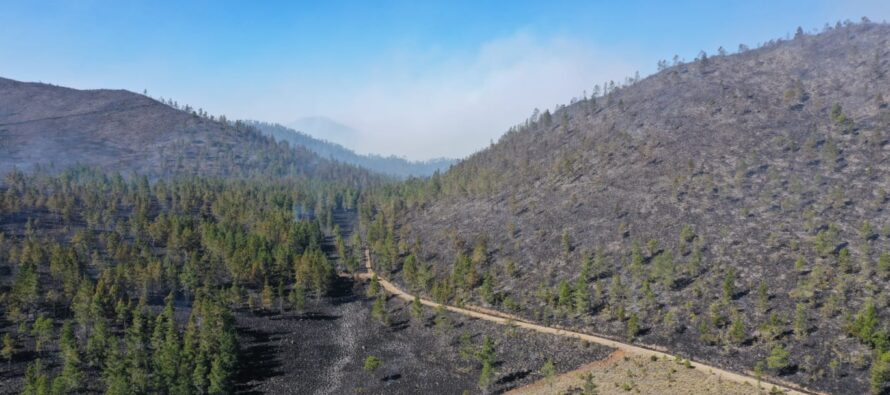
pixel 455 109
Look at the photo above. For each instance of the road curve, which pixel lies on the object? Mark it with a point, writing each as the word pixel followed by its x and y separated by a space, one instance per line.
pixel 507 319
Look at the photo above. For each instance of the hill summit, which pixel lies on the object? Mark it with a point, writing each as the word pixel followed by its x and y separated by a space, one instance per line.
pixel 51 127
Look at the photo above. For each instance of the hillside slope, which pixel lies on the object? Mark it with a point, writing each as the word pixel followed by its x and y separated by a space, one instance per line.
pixel 731 209
pixel 390 165
pixel 53 127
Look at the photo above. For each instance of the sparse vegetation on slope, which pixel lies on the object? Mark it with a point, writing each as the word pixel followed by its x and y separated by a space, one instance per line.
pixel 731 209
pixel 53 128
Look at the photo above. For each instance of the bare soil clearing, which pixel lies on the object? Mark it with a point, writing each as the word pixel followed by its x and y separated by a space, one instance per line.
pixel 621 374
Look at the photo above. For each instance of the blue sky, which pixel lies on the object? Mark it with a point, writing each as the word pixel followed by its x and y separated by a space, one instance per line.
pixel 418 78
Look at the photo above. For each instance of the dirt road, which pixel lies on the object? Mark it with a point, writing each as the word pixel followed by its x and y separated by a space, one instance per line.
pixel 506 319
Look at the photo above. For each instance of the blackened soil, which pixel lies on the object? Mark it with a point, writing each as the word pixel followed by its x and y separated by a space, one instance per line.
pixel 322 350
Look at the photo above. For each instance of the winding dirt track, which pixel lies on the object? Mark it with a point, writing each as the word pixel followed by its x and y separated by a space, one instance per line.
pixel 507 319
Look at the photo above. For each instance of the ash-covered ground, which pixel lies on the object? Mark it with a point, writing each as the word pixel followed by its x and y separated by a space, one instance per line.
pixel 322 350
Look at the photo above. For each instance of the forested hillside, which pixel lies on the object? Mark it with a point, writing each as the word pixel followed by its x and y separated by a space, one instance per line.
pixel 125 286
pixel 133 231
pixel 731 209
pixel 391 165
pixel 53 128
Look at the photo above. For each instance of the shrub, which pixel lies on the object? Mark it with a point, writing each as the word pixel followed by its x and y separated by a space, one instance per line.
pixel 372 363
pixel 879 376
pixel 865 323
pixel 633 326
pixel 548 370
pixel 778 358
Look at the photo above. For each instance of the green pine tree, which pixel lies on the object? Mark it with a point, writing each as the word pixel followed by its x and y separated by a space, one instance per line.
pixel 737 330
pixel 441 320
pixel 42 332
pixel 187 357
pixel 633 326
pixel 36 380
pixel 486 291
pixel 486 376
pixel 879 376
pixel 114 373
pixel 778 358
pixel 565 294
pixel 69 380
pixel 729 285
pixel 409 271
pixel 378 310
pixel 762 298
pixel 97 343
pixel 417 308
pixel 581 296
pixel 374 286
pixel 800 322
pixel 199 374
pixel 219 378
pixel 137 354
pixel 167 348
pixel 590 387
pixel 548 370
pixel 8 350
pixel 267 296
pixel 486 352
pixel 297 298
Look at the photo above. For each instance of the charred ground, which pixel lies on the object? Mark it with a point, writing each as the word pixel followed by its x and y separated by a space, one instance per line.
pixel 732 208
pixel 322 350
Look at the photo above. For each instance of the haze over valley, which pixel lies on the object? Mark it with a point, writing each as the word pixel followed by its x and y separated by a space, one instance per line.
pixel 432 198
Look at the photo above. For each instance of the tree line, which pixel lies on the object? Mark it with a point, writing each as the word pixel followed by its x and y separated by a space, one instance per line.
pixel 105 269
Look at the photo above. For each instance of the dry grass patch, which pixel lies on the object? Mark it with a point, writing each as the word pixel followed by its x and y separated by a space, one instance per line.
pixel 622 374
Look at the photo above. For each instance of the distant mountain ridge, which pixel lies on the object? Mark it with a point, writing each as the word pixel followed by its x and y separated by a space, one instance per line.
pixel 324 128
pixel 390 165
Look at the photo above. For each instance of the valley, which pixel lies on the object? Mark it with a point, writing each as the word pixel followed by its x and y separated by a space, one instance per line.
pixel 717 226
